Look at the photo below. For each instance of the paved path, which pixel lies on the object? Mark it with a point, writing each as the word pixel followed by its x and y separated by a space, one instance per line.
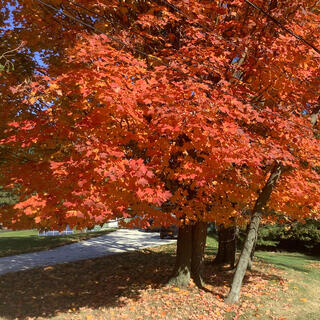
pixel 122 240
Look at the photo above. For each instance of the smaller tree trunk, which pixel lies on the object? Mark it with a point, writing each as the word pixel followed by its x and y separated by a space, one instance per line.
pixel 260 204
pixel 234 293
pixel 250 262
pixel 221 254
pixel 227 246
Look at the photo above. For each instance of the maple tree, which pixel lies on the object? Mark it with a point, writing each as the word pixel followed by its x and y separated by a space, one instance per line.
pixel 175 111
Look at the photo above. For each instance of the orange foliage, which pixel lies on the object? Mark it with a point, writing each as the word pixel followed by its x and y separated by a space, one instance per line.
pixel 179 106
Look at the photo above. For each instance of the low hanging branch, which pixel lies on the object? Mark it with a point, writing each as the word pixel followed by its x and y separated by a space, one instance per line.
pixel 5 63
pixel 258 209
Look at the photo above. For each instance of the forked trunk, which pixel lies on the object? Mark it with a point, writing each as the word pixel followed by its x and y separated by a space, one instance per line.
pixel 199 236
pixel 182 272
pixel 190 248
pixel 259 207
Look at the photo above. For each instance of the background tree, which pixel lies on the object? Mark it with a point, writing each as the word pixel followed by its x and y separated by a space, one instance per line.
pixel 227 245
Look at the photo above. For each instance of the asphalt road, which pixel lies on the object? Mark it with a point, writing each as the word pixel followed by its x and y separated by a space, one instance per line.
pixel 121 240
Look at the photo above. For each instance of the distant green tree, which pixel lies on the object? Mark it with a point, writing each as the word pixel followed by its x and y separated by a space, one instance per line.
pixel 296 236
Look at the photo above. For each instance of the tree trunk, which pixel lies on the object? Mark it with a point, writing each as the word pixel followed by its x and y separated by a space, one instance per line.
pixel 190 248
pixel 182 271
pixel 252 253
pixel 250 262
pixel 221 255
pixel 227 246
pixel 259 207
pixel 199 236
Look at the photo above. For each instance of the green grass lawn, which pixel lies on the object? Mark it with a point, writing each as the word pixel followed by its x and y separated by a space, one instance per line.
pixel 16 242
pixel 301 299
pixel 133 286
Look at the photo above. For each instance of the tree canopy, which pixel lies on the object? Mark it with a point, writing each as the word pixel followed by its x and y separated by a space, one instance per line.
pixel 163 110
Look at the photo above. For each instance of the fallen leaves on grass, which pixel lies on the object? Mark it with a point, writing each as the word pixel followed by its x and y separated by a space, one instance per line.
pixel 131 286
pixel 315 265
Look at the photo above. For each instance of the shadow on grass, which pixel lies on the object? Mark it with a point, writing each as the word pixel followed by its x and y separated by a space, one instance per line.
pixel 221 279
pixel 96 283
pixel 92 283
pixel 16 245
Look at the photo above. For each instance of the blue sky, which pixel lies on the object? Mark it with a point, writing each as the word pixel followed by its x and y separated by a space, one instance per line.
pixel 10 25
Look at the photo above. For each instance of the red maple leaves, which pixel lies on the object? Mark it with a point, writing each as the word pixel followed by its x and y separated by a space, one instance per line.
pixel 151 113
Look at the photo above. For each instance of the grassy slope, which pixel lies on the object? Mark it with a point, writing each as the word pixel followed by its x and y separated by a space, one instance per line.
pixel 132 286
pixel 301 300
pixel 17 242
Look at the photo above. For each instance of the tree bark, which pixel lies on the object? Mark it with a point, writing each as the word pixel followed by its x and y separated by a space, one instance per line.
pixel 182 271
pixel 250 262
pixel 190 248
pixel 227 246
pixel 221 254
pixel 199 236
pixel 252 253
pixel 259 207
